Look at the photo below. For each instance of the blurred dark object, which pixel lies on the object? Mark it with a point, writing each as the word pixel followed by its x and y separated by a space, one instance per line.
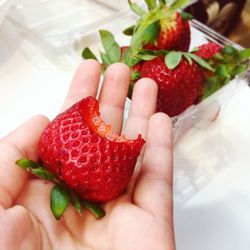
pixel 241 33
pixel 222 15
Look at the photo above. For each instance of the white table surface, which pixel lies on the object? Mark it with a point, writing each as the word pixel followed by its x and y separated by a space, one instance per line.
pixel 216 213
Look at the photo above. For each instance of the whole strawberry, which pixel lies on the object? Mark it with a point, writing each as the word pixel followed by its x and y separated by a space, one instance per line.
pixel 174 34
pixel 208 50
pixel 86 155
pixel 162 27
pixel 178 87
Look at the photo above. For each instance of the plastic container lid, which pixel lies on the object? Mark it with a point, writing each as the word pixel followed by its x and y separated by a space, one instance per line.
pixel 4 7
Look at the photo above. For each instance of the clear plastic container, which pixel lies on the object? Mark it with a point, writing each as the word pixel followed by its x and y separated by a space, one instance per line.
pixel 53 25
pixel 60 33
pixel 63 38
pixel 4 7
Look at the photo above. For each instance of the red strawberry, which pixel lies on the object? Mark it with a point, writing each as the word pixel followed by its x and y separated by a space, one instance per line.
pixel 208 50
pixel 174 34
pixel 85 154
pixel 162 27
pixel 178 88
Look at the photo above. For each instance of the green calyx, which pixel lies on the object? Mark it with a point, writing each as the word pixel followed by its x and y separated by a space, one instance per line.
pixel 173 58
pixel 112 54
pixel 228 64
pixel 61 196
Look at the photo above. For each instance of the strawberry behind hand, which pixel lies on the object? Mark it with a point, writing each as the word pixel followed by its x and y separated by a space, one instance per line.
pixel 179 86
pixel 162 27
pixel 174 34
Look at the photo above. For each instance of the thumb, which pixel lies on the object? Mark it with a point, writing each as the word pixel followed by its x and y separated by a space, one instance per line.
pixel 22 143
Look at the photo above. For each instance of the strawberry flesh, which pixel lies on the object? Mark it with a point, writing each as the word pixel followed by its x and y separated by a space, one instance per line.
pixel 87 155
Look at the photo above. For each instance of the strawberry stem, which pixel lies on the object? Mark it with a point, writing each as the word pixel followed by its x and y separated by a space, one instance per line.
pixel 61 196
pixel 94 209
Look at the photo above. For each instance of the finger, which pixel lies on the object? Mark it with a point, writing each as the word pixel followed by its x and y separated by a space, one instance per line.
pixel 113 95
pixel 85 83
pixel 153 189
pixel 22 143
pixel 142 107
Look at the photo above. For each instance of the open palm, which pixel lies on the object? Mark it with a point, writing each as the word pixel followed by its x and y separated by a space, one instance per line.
pixel 140 219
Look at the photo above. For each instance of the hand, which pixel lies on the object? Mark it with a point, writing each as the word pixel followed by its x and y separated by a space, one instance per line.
pixel 140 219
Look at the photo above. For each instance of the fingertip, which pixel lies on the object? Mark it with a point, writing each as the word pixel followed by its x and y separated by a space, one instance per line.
pixel 160 118
pixel 160 130
pixel 118 68
pixel 89 63
pixel 91 66
pixel 147 81
pixel 146 86
pixel 40 119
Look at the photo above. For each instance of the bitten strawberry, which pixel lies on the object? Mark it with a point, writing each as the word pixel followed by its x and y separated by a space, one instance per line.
pixel 178 88
pixel 86 155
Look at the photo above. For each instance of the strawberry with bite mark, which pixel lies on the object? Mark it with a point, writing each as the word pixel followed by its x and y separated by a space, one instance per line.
pixel 86 160
pixel 84 153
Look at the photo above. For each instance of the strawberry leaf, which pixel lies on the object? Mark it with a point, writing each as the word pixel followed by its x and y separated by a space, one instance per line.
pixel 135 75
pixel 36 169
pixel 26 163
pixel 105 59
pixel 43 173
pixel 59 200
pixel 88 54
pixel 195 49
pixel 222 71
pixel 130 90
pixel 186 16
pixel 162 3
pixel 173 59
pixel 229 50
pixel 94 209
pixel 244 54
pixel 178 4
pixel 111 47
pixel 200 61
pixel 240 69
pixel 151 4
pixel 146 57
pixel 129 59
pixel 151 33
pixel 129 31
pixel 188 59
pixel 212 85
pixel 136 8
pixel 76 202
